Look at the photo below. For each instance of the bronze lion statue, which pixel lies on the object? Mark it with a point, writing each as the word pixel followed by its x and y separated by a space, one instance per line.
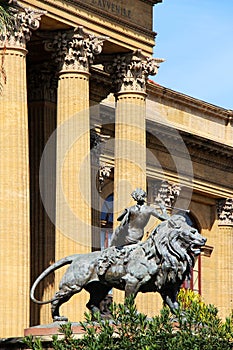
pixel 159 264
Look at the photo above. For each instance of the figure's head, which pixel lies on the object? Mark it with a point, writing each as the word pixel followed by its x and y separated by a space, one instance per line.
pixel 139 195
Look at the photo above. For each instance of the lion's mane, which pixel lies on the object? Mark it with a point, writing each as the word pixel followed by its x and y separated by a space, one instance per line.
pixel 166 244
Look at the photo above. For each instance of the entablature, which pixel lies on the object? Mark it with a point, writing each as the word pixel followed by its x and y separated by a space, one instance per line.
pixel 127 26
pixel 189 101
pixel 201 149
pixel 189 114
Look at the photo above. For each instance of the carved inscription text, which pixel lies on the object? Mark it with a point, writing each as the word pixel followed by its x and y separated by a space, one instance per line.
pixel 113 7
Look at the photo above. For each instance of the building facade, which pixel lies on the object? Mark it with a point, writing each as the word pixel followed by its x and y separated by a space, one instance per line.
pixel 82 125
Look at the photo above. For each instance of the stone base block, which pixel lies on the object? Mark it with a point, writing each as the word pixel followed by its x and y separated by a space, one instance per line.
pixel 48 330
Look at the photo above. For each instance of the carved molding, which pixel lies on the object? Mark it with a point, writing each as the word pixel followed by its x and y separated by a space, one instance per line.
pixel 24 21
pixel 74 50
pixel 100 85
pixel 42 83
pixel 97 140
pixel 104 173
pixel 129 72
pixel 184 100
pixel 225 212
pixel 166 193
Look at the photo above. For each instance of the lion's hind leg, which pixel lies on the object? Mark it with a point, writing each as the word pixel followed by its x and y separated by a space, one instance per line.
pixel 61 297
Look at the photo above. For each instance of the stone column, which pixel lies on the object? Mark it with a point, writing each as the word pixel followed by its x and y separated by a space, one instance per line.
pixel 42 108
pixel 224 250
pixel 74 53
pixel 129 75
pixel 14 173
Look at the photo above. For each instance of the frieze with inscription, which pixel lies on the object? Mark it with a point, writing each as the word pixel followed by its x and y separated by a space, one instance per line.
pixel 113 7
pixel 132 12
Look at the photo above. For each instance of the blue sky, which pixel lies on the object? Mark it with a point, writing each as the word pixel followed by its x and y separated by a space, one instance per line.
pixel 195 37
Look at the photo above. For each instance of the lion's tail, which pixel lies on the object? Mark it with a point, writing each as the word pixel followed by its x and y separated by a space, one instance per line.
pixel 62 262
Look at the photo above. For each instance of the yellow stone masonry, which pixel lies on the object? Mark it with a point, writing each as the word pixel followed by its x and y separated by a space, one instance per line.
pixel 14 197
pixel 73 206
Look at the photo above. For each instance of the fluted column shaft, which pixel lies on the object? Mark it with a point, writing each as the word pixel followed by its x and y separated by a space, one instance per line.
pixel 14 214
pixel 130 147
pixel 129 76
pixel 74 52
pixel 14 174
pixel 74 234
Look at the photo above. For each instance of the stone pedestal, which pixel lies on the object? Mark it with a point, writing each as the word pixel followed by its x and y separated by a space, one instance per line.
pixel 46 331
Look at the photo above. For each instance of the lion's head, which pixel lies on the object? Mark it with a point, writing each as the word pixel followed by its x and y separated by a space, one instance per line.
pixel 177 245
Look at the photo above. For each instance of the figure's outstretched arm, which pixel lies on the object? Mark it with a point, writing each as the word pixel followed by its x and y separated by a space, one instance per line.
pixel 164 215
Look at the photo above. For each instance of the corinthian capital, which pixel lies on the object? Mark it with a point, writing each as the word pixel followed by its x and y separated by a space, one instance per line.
pixel 23 22
pixel 75 49
pixel 166 193
pixel 225 212
pixel 130 72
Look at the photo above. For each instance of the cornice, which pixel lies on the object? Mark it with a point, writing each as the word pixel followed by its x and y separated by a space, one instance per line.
pixel 152 2
pixel 185 100
pixel 210 152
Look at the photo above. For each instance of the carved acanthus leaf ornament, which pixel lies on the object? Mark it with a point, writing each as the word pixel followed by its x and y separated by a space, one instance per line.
pixel 24 21
pixel 166 193
pixel 225 212
pixel 75 50
pixel 130 72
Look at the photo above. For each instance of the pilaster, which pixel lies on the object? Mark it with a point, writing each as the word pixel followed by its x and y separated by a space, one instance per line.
pixel 225 254
pixel 14 173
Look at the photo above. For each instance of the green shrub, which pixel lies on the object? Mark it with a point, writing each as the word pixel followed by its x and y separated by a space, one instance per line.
pixel 196 326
